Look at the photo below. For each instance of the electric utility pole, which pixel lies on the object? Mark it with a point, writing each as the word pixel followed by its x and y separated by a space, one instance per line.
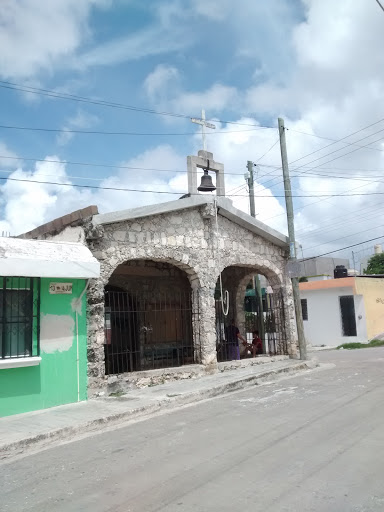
pixel 251 188
pixel 292 244
pixel 251 182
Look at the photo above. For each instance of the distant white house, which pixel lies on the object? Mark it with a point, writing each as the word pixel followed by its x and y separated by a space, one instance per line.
pixel 344 310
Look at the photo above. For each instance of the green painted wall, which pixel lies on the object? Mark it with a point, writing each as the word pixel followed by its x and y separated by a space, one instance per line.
pixel 54 381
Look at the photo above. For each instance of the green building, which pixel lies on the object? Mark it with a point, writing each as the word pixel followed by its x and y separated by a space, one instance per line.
pixel 43 324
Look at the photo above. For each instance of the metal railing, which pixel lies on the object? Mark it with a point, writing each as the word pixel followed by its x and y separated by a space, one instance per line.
pixel 270 326
pixel 145 331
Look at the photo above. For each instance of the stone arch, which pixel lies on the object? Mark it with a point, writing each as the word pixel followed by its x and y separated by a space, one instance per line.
pixel 151 316
pixel 115 256
pixel 236 276
pixel 257 265
pixel 163 255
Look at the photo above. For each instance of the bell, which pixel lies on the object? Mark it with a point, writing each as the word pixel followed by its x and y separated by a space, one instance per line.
pixel 206 184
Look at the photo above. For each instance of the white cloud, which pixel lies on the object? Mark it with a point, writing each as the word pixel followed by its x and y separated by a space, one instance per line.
pixel 162 37
pixel 8 158
pixel 160 157
pixel 163 87
pixel 36 36
pixel 80 121
pixel 217 97
pixel 28 205
pixel 159 81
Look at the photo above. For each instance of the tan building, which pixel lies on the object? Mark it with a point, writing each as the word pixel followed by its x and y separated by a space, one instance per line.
pixel 372 289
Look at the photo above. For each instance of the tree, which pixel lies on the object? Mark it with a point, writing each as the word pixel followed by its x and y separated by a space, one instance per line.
pixel 375 264
pixel 303 280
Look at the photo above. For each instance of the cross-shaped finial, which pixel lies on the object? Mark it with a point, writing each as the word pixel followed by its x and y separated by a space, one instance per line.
pixel 204 124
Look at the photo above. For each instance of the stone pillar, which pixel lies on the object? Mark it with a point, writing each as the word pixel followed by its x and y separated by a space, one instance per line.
pixel 220 183
pixel 192 175
pixel 240 311
pixel 207 327
pixel 289 315
pixel 95 345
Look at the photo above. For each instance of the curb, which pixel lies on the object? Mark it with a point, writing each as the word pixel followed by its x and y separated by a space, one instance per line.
pixel 168 403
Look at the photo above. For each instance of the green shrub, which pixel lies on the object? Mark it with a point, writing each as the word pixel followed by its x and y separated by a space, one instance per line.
pixel 351 346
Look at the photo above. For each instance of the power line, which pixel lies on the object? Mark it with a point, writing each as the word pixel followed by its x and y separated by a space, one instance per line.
pixel 335 225
pixel 324 163
pixel 112 166
pixel 235 189
pixel 337 141
pixel 342 249
pixel 342 238
pixel 100 132
pixel 380 5
pixel 330 219
pixel 349 169
pixel 333 140
pixel 336 158
pixel 352 178
pixel 316 176
pixel 266 153
pixel 346 194
pixel 321 168
pixel 55 94
pixel 340 149
pixel 82 99
pixel 107 166
pixel 170 192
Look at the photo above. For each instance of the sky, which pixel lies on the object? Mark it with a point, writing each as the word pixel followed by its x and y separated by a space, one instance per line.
pixel 145 68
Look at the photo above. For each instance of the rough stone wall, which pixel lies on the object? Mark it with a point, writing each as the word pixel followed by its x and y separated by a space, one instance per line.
pixel 189 241
pixel 149 277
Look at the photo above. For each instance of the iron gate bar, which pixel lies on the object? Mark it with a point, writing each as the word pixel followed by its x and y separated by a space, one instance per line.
pixel 274 340
pixel 149 331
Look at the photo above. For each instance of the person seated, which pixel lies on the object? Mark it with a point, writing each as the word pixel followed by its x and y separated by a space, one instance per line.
pixel 255 348
pixel 257 344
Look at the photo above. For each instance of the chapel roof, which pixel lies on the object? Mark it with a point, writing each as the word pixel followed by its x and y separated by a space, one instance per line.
pixel 225 209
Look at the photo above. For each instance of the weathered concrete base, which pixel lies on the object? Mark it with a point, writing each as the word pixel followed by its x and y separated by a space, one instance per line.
pixel 41 429
pixel 137 380
pixel 247 363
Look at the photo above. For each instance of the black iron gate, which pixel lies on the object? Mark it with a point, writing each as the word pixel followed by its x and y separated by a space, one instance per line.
pixel 270 327
pixel 145 331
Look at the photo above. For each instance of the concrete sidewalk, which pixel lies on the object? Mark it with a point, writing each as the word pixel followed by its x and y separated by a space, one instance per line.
pixel 39 429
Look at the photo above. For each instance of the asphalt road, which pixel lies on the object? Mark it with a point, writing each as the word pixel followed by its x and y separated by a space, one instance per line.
pixel 314 442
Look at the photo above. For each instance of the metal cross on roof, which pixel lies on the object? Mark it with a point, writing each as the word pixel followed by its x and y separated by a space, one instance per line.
pixel 204 124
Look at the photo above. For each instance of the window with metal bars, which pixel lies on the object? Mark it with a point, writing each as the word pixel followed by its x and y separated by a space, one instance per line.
pixel 19 317
pixel 304 308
